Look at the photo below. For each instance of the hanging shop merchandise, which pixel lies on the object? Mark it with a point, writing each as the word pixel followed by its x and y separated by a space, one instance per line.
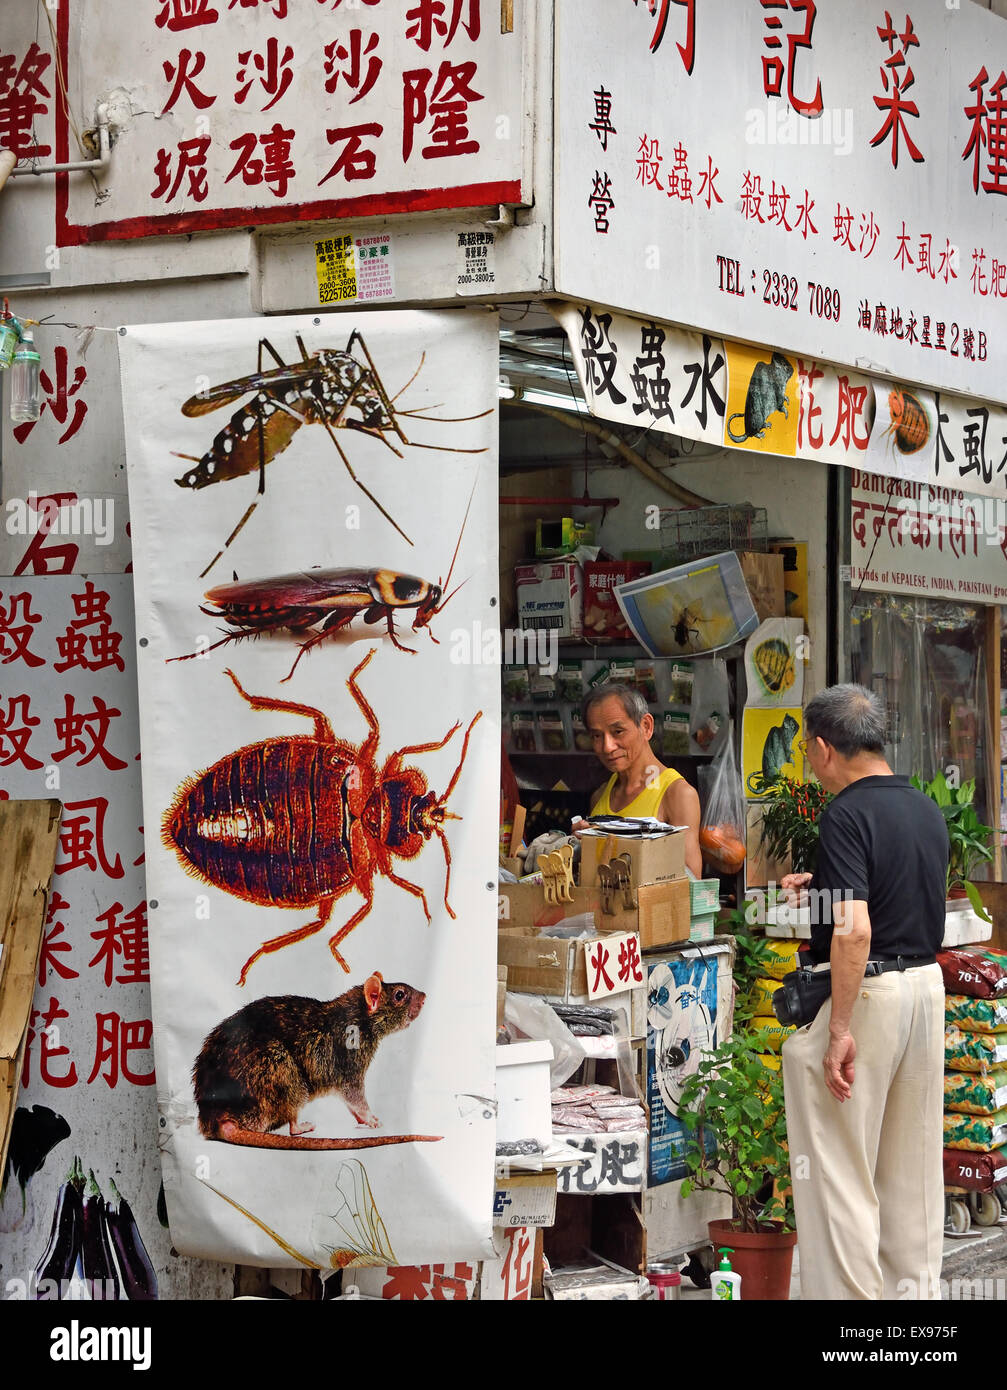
pixel 317 848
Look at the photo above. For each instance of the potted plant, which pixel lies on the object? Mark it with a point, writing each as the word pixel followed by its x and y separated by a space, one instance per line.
pixel 790 819
pixel 732 1109
pixel 969 838
pixel 753 960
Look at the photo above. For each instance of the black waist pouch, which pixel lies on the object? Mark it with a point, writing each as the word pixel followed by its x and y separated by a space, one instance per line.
pixel 801 995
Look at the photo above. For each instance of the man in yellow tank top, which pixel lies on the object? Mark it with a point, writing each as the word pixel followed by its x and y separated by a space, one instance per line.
pixel 621 727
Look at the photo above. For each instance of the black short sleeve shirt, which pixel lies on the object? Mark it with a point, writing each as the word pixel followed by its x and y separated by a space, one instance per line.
pixel 884 843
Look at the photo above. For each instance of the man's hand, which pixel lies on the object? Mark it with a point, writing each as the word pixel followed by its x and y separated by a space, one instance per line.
pixel 795 886
pixel 838 1065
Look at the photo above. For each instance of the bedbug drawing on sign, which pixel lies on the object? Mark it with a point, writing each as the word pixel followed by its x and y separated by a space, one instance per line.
pixel 910 424
pixel 328 387
pixel 330 597
pixel 301 820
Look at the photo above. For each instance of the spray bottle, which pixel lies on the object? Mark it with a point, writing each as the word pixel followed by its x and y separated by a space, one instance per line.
pixel 725 1285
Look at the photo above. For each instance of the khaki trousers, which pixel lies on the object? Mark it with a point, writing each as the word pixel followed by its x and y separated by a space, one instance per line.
pixel 866 1172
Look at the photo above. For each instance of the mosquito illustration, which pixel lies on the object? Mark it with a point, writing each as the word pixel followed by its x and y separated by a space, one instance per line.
pixel 329 388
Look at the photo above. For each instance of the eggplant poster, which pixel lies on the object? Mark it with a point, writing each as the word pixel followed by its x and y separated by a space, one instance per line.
pixel 313 505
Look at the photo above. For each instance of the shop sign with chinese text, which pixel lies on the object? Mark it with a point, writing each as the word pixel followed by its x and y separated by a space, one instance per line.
pixel 655 376
pixel 827 176
pixel 230 112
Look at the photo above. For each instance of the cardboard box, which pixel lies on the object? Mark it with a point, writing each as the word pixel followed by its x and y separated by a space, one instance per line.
pixel 544 965
pixel 704 896
pixel 551 596
pixel 764 577
pixel 525 1199
pixel 501 993
pixel 602 614
pixel 653 861
pixel 661 917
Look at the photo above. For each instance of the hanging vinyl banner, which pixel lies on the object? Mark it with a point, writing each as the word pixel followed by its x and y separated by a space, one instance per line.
pixel 319 838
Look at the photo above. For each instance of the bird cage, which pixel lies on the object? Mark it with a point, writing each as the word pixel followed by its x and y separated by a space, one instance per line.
pixel 689 533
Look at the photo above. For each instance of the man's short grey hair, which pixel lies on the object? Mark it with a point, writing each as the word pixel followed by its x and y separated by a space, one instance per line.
pixel 630 698
pixel 849 717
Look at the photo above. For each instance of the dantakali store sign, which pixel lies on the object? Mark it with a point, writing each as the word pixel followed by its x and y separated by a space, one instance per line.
pixel 918 538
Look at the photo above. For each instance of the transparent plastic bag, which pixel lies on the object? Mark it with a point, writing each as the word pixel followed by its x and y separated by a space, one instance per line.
pixel 722 834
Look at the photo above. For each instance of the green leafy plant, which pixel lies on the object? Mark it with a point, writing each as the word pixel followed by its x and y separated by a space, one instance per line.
pixel 732 1109
pixel 968 837
pixel 753 958
pixel 790 819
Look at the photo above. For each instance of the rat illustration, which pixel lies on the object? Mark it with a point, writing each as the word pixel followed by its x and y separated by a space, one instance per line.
pixel 777 750
pixel 767 393
pixel 260 1066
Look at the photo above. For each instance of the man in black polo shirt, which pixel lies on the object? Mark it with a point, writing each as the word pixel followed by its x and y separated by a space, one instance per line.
pixel 864 1081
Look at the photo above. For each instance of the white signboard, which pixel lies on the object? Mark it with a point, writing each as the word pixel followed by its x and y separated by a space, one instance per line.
pixel 613 964
pixel 320 843
pixel 916 538
pixel 69 729
pixel 761 400
pixel 269 110
pixel 827 177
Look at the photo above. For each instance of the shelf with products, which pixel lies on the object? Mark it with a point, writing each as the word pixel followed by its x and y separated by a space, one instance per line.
pixel 541 705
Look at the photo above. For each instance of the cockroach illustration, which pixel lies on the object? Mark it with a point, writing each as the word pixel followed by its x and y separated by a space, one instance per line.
pixel 300 821
pixel 910 427
pixel 333 598
pixel 327 387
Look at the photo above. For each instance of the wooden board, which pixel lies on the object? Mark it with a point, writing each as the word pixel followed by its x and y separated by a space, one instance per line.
pixel 29 835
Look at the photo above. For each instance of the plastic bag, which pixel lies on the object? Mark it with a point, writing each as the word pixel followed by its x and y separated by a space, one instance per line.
pixel 722 834
pixel 709 725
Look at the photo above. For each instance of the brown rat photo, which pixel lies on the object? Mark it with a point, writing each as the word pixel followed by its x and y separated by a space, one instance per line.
pixel 258 1068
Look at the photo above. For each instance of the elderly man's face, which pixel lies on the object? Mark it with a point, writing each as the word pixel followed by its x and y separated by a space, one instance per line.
pixel 615 739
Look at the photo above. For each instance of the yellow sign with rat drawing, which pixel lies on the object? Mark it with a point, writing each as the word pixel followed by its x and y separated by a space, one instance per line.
pixel 763 405
pixel 770 741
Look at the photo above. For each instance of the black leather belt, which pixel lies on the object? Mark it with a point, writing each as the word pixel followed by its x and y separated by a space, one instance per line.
pixel 882 967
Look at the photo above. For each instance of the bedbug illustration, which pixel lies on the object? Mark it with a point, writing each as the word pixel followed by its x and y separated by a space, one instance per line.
pixel 331 597
pixel 329 388
pixel 910 427
pixel 299 821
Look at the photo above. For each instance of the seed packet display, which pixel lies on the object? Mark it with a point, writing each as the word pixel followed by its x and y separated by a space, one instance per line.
pixel 646 682
pixel 522 733
pixel 581 737
pixel 543 685
pixel 570 682
pixel 516 686
pixel 622 671
pixel 675 736
pixel 681 675
pixel 552 734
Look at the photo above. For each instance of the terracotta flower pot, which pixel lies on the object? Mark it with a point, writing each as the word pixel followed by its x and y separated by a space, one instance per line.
pixel 764 1259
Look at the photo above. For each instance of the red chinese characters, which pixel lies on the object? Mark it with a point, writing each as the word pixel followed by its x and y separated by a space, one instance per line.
pixel 896 83
pixel 90 641
pixel 82 838
pixel 14 639
pixel 773 67
pixel 274 167
pixel 660 11
pixel 444 104
pixel 191 163
pixel 16 727
pixel 39 553
pixel 115 1041
pixel 357 66
pixel 442 1283
pixel 126 938
pixel 271 69
pixel 58 394
pixel 988 115
pixel 440 19
pixel 52 1052
pixel 176 15
pixel 24 98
